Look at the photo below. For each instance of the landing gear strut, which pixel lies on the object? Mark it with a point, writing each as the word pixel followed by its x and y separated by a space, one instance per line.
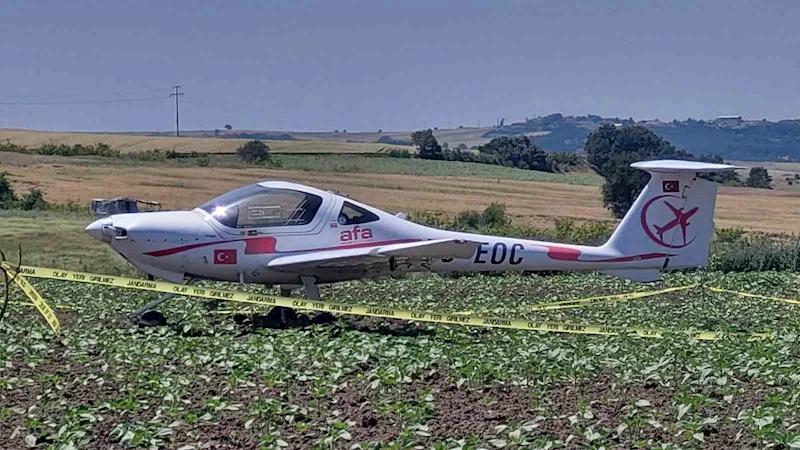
pixel 285 315
pixel 146 316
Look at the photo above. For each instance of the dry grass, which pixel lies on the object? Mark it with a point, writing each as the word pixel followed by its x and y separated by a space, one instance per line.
pixel 528 202
pixel 135 143
pixel 354 142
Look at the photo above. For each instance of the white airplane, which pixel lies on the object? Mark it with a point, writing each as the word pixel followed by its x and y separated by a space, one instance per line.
pixel 287 234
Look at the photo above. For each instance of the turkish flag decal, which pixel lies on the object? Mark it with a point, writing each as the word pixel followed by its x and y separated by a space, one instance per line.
pixel 225 256
pixel 670 186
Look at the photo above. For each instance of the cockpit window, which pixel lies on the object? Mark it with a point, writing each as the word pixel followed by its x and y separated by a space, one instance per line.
pixel 257 206
pixel 355 215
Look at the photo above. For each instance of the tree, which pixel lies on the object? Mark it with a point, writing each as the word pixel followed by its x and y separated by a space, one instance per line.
pixel 611 150
pixel 517 151
pixel 427 145
pixel 759 178
pixel 34 200
pixel 254 152
pixel 8 197
pixel 216 132
pixel 729 177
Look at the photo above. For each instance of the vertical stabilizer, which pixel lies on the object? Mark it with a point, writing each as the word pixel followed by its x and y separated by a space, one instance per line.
pixel 673 216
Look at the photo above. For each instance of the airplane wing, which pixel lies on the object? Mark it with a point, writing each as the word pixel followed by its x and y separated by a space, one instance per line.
pixel 367 259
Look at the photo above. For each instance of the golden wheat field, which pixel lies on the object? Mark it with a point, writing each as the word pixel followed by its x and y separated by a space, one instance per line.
pixel 136 143
pixel 530 202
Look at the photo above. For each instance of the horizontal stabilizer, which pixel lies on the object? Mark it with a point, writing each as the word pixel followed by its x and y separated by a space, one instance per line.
pixel 676 166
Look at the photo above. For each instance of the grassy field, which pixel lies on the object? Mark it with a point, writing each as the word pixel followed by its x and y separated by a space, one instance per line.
pixel 136 143
pixel 427 168
pixel 52 239
pixel 468 136
pixel 779 171
pixel 217 380
pixel 220 376
pixel 307 142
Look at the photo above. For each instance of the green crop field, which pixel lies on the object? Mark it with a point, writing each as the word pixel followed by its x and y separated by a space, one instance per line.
pixel 423 167
pixel 219 376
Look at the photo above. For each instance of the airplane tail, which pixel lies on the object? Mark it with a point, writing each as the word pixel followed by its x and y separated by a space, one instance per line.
pixel 673 217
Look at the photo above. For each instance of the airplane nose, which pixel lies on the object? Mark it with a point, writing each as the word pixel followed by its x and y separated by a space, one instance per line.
pixel 95 229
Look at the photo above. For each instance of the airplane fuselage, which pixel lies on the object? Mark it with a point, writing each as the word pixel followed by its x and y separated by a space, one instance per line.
pixel 174 245
pixel 279 232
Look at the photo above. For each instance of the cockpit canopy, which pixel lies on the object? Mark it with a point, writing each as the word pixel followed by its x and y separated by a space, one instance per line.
pixel 258 206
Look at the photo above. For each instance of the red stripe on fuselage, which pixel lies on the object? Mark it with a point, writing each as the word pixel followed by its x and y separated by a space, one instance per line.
pixel 573 254
pixel 266 245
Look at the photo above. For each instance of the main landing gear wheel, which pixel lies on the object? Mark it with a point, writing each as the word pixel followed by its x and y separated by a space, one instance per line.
pixel 150 319
pixel 147 316
pixel 282 316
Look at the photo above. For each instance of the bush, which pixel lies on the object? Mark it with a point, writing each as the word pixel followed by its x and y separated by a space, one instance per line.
pixel 149 155
pixel 470 220
pixel 756 252
pixel 50 149
pixel 565 162
pixel 517 151
pixel 759 178
pixel 589 233
pixel 392 141
pixel 495 216
pixel 494 221
pixel 729 234
pixel 33 200
pixel 254 152
pixel 8 198
pixel 399 153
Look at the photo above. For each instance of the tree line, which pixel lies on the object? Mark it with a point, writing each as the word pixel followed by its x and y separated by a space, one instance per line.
pixel 610 150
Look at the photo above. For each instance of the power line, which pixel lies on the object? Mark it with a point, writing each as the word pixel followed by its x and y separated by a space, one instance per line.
pixel 61 94
pixel 84 102
pixel 177 94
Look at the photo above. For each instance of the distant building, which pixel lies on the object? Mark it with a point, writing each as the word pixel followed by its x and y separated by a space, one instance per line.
pixel 728 121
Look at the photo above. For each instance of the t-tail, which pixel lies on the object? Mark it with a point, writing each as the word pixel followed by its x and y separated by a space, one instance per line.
pixel 672 218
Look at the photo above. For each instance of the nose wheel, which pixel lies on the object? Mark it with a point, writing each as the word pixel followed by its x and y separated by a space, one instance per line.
pixel 146 316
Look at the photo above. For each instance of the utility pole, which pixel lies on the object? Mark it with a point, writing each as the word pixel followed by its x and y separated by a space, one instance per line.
pixel 177 94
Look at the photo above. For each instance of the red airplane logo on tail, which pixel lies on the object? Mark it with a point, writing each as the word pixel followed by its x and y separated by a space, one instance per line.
pixel 681 219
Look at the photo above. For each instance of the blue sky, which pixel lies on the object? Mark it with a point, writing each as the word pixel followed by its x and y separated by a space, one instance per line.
pixel 296 65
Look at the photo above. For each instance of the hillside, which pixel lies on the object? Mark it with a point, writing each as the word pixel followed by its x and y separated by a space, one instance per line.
pixel 468 136
pixel 129 142
pixel 731 138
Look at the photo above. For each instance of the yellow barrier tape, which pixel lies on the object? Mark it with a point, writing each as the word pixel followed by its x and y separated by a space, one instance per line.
pixel 64 307
pixel 588 301
pixel 745 294
pixel 373 311
pixel 44 309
